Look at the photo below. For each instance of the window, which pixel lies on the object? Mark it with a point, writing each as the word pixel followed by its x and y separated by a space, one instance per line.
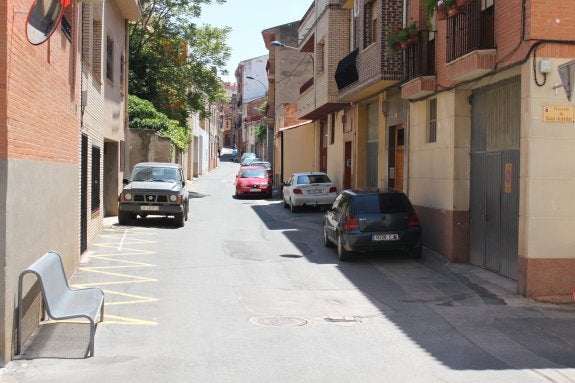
pixel 110 59
pixel 95 178
pixel 368 20
pixel 432 124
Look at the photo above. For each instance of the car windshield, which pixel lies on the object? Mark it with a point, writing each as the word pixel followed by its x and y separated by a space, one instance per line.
pixel 313 179
pixel 253 173
pixel 154 173
pixel 381 203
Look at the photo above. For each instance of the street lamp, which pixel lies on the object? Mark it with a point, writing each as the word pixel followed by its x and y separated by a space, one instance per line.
pixel 253 78
pixel 276 43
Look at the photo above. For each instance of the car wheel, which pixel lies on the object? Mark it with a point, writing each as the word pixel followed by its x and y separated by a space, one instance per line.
pixel 179 219
pixel 187 212
pixel 285 203
pixel 124 218
pixel 415 252
pixel 342 253
pixel 292 207
pixel 326 241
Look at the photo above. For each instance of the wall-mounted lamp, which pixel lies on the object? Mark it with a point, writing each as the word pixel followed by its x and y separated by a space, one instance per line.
pixel 567 75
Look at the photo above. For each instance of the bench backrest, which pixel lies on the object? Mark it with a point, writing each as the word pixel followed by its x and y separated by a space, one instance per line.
pixel 53 280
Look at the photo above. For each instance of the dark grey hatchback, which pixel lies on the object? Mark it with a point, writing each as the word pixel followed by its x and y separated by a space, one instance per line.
pixel 362 221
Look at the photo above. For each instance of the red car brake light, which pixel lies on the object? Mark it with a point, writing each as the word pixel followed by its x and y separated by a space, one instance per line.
pixel 351 223
pixel 413 221
pixel 297 191
pixel 333 189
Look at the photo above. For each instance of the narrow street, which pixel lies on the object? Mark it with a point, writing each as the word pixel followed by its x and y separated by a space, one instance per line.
pixel 247 292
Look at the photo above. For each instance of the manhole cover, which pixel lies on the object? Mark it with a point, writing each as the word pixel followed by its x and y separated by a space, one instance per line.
pixel 278 321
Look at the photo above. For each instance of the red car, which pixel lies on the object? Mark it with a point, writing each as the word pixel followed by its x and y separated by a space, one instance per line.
pixel 253 180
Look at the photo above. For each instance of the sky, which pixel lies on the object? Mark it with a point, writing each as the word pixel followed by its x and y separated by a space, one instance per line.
pixel 248 18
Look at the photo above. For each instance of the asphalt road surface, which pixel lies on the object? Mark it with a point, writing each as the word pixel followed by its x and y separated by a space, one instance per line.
pixel 246 292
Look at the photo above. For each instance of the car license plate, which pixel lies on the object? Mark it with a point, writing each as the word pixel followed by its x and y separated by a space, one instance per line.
pixel 150 208
pixel 254 190
pixel 385 237
pixel 314 191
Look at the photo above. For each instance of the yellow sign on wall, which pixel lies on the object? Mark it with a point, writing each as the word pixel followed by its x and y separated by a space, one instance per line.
pixel 508 177
pixel 558 114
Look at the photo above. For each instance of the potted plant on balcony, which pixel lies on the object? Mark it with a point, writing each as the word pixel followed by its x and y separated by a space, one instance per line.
pixel 402 38
pixel 443 8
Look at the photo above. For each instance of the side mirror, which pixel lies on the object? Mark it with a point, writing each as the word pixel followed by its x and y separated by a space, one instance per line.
pixel 125 181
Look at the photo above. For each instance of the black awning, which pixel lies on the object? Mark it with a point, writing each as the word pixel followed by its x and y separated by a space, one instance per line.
pixel 346 72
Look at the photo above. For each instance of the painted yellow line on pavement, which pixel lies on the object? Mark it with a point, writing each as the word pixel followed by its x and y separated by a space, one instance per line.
pixel 135 298
pixel 127 321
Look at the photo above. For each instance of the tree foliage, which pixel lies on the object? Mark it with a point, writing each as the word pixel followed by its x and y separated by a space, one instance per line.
pixel 143 115
pixel 174 63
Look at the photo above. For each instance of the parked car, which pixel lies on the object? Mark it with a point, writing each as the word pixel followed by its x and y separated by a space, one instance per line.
pixel 266 165
pixel 308 189
pixel 361 221
pixel 247 155
pixel 155 188
pixel 248 161
pixel 253 180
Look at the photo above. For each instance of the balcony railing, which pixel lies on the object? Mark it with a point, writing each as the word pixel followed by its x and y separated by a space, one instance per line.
pixel 469 30
pixel 419 57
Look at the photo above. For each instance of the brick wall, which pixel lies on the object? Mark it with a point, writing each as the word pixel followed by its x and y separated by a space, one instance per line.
pixel 39 119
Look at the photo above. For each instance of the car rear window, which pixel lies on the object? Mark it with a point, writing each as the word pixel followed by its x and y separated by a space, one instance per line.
pixel 313 179
pixel 253 173
pixel 381 203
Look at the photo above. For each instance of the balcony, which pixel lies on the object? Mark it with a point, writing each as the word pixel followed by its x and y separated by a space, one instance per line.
pixel 470 42
pixel 418 77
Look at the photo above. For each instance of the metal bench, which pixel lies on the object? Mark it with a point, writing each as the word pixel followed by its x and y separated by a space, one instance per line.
pixel 60 300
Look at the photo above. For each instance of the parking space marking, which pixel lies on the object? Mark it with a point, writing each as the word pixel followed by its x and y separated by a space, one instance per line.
pixel 136 298
pixel 114 267
pixel 128 321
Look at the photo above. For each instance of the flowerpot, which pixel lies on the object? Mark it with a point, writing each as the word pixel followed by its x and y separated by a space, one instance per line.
pixel 403 44
pixel 462 3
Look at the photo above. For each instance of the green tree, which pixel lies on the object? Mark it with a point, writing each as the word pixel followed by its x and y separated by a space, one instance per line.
pixel 174 63
pixel 143 115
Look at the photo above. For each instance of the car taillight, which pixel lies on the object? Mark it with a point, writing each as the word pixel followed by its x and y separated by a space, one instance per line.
pixel 333 189
pixel 297 191
pixel 413 221
pixel 351 223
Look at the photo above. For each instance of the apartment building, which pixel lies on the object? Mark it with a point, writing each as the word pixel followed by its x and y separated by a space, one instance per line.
pixel 471 116
pixel 62 123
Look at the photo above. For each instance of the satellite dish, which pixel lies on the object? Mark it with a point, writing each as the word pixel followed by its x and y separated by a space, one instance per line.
pixel 567 76
pixel 43 19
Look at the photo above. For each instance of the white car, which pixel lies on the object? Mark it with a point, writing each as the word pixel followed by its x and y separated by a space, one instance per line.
pixel 308 189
